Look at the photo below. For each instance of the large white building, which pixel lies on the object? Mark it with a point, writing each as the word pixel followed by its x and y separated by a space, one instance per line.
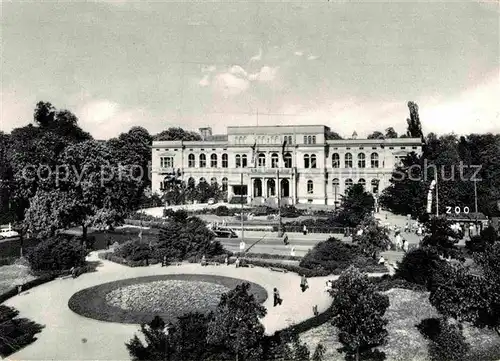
pixel 309 168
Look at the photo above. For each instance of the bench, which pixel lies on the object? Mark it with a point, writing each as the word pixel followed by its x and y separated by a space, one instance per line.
pixel 275 269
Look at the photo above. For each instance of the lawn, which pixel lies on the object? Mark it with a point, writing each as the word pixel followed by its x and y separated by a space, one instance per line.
pixel 407 308
pixel 13 275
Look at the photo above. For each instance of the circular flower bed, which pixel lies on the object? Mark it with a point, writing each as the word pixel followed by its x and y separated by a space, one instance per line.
pixel 138 300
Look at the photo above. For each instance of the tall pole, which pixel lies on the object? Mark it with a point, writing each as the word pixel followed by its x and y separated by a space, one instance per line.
pixel 242 215
pixel 279 202
pixel 475 200
pixel 437 194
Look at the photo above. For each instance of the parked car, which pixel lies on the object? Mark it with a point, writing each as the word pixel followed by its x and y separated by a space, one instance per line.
pixel 6 232
pixel 225 233
pixel 211 201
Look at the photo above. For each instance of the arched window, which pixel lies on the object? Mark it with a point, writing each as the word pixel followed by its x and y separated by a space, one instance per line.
pixel 375 183
pixel 313 161
pixel 244 161
pixel 288 160
pixel 213 160
pixel 191 161
pixel 309 140
pixel 203 160
pixel 213 181
pixel 335 160
pixel 224 184
pixel 362 182
pixel 262 160
pixel 313 139
pixel 348 160
pixel 274 160
pixel 306 161
pixel 335 185
pixel 310 187
pixel 374 160
pixel 203 180
pixel 224 161
pixel 361 160
pixel 348 184
pixel 238 161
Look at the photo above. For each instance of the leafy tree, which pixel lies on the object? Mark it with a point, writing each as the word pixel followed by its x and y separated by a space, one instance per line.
pixel 331 135
pixel 390 133
pixel 177 134
pixel 419 265
pixel 15 333
pixel 355 206
pixel 373 239
pixel 57 253
pixel 414 125
pixel 235 324
pixel 440 235
pixel 376 135
pixel 446 341
pixel 359 316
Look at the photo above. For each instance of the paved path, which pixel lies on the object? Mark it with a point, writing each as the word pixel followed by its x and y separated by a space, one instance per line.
pixel 64 330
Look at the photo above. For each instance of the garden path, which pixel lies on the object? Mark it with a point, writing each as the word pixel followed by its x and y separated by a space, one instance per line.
pixel 62 338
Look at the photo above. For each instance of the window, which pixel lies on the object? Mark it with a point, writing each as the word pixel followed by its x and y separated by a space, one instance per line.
pixel 309 140
pixel 348 160
pixel 362 182
pixel 167 162
pixel 335 184
pixel 335 160
pixel 306 161
pixel 403 147
pixel 274 160
pixel 361 160
pixel 224 184
pixel 261 160
pixel 244 161
pixel 224 160
pixel 213 161
pixel 203 160
pixel 213 181
pixel 191 161
pixel 202 180
pixel 288 160
pixel 374 160
pixel 414 147
pixel 313 161
pixel 238 161
pixel 313 139
pixel 305 139
pixel 375 183
pixel 348 184
pixel 288 139
pixel 310 187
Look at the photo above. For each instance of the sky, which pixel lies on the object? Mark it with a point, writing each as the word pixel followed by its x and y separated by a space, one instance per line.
pixel 351 65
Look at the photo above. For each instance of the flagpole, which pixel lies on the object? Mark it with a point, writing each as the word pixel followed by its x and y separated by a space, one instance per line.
pixel 437 194
pixel 279 202
pixel 242 218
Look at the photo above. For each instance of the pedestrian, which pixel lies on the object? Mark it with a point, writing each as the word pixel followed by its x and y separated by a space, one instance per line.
pixel 73 272
pixel 226 260
pixel 277 299
pixel 304 230
pixel 404 246
pixel 292 252
pixel 315 310
pixel 203 261
pixel 237 262
pixel 398 241
pixel 303 283
pixel 164 261
pixel 381 260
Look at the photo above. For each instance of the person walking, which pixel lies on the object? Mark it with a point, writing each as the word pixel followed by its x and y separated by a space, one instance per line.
pixel 277 298
pixel 404 246
pixel 304 230
pixel 237 263
pixel 164 261
pixel 303 283
pixel 226 260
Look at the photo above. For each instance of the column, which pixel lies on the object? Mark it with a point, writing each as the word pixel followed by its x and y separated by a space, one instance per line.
pixel 249 189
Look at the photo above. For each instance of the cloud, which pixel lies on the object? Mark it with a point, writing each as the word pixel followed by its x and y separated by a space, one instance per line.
pixel 299 53
pixel 257 57
pixel 204 82
pixel 266 74
pixel 228 84
pixel 238 70
pixel 16 109
pixel 312 57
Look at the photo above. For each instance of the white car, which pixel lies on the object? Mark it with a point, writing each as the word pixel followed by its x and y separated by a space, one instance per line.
pixel 211 201
pixel 6 232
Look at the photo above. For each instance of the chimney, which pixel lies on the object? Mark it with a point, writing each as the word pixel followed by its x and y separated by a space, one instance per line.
pixel 205 132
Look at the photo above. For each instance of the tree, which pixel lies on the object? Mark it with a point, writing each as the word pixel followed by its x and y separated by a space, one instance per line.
pixel 440 236
pixel 376 135
pixel 235 324
pixel 414 125
pixel 331 135
pixel 57 253
pixel 373 239
pixel 391 133
pixel 419 265
pixel 359 316
pixel 177 134
pixel 446 341
pixel 355 206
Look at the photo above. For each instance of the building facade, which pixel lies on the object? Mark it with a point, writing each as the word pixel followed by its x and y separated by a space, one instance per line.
pixel 298 162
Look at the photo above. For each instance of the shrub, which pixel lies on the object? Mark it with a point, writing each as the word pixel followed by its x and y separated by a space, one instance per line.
pixel 16 332
pixel 419 265
pixel 331 254
pixel 56 253
pixel 387 282
pixel 222 211
pixel 134 251
pixel 446 341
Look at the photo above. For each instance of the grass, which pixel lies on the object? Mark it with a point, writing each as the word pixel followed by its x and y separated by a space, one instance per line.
pixel 100 302
pixel 13 275
pixel 405 343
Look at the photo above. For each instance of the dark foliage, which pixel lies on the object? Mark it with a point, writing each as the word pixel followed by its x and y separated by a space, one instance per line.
pixel 15 333
pixel 356 205
pixel 134 251
pixel 441 237
pixel 222 211
pixel 479 243
pixel 57 253
pixel 446 341
pixel 419 265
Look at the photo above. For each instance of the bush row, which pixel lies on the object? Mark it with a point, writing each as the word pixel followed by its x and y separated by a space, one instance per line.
pixel 110 256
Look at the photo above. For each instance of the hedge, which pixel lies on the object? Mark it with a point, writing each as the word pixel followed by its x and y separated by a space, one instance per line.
pixel 110 256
